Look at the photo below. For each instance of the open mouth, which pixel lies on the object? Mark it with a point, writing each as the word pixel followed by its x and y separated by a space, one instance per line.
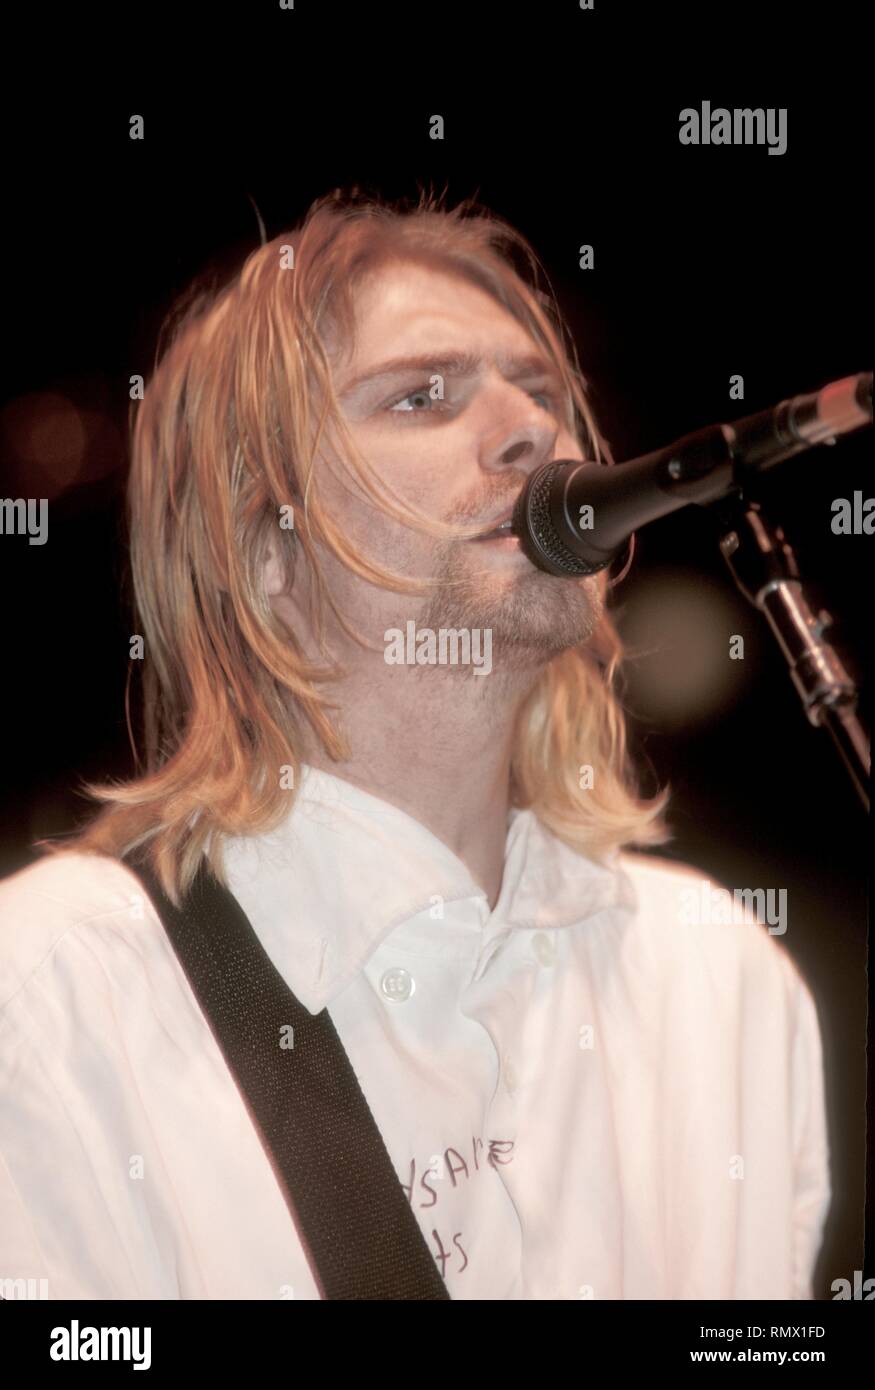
pixel 502 532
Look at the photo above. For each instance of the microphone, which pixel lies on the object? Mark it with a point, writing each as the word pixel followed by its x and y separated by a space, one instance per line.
pixel 573 518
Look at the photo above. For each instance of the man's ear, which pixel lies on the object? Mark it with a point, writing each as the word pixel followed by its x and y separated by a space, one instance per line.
pixel 274 576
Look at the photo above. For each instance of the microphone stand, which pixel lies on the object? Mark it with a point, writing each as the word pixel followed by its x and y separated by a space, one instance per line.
pixel 763 565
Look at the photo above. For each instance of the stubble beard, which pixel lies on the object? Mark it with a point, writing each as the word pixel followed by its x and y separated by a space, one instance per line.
pixel 533 616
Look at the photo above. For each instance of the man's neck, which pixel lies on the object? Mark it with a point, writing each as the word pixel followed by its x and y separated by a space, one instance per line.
pixel 439 749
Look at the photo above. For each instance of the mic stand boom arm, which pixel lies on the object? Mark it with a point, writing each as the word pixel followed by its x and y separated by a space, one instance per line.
pixel 764 568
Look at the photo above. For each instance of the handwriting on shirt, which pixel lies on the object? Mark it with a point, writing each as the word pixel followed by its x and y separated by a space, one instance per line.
pixel 453 1165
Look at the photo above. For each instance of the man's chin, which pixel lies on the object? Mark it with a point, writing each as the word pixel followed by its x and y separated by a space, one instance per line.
pixel 531 615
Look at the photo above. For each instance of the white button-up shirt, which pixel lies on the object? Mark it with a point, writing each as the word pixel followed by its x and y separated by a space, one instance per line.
pixel 584 1093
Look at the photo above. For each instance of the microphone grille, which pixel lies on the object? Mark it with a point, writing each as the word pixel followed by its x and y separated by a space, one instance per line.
pixel 534 525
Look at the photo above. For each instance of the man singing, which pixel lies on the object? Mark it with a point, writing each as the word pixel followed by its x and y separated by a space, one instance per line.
pixel 584 1093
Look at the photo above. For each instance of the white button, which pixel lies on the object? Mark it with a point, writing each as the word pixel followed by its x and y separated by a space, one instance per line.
pixel 544 949
pixel 397 985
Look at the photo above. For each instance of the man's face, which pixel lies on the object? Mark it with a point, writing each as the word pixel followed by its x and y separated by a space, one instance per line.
pixel 463 458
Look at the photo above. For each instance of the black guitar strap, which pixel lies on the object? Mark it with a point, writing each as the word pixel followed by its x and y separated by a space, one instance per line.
pixel 360 1234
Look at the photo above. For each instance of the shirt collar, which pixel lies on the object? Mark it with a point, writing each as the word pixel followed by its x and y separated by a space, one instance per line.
pixel 345 868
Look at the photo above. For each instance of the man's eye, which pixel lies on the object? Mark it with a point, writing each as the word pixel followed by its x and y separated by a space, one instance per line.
pixel 424 393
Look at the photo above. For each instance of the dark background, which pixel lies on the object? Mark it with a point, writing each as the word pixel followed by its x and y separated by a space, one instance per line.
pixel 709 261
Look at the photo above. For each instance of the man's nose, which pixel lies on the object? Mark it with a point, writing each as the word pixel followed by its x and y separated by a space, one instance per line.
pixel 517 451
pixel 528 445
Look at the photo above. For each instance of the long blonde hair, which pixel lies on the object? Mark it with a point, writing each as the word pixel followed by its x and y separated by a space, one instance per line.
pixel 226 437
